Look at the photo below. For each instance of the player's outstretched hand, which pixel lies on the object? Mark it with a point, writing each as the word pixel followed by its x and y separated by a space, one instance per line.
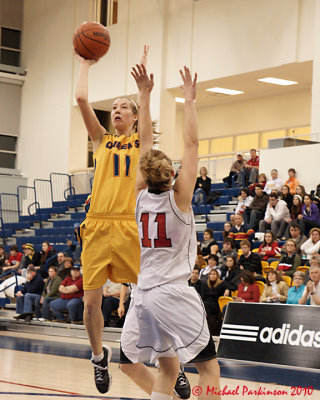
pixel 189 85
pixel 144 82
pixel 144 57
pixel 83 60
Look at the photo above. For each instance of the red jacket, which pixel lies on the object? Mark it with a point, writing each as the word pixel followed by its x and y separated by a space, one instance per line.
pixel 251 295
pixel 271 251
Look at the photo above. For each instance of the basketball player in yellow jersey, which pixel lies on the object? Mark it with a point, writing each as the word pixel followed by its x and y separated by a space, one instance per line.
pixel 109 234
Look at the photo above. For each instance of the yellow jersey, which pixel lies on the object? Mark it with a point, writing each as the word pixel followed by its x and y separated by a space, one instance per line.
pixel 116 162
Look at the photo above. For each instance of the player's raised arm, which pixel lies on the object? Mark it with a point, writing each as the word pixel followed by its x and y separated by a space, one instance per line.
pixel 94 128
pixel 145 129
pixel 185 182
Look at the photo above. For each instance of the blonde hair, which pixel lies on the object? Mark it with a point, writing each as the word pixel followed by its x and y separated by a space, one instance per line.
pixel 156 169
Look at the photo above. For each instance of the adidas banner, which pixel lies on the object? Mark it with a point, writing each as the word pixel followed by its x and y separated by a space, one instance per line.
pixel 272 333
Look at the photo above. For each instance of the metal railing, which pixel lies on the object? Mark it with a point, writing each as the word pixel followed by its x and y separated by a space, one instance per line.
pixel 43 192
pixel 27 200
pixel 61 187
pixel 9 208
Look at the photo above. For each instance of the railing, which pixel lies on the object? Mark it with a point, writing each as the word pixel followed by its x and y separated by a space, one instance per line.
pixel 9 208
pixel 61 187
pixel 43 192
pixel 82 181
pixel 27 200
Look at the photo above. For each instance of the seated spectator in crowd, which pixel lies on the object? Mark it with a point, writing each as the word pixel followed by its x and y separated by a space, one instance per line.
pixel 287 196
pixel 71 290
pixel 273 184
pixel 50 292
pixel 301 191
pixel 244 202
pixel 249 260
pixel 269 248
pixel 292 182
pixel 194 280
pixel 208 245
pixel 295 213
pixel 212 289
pixel 235 169
pixel 200 261
pixel 250 172
pixel 295 234
pixel 227 229
pixel 4 256
pixel 46 253
pixel 203 186
pixel 310 215
pixel 290 260
pixel 213 261
pixel 248 290
pixel 110 300
pixel 314 262
pixel 32 256
pixel 275 217
pixel 312 289
pixel 262 180
pixel 14 260
pixel 311 246
pixel 230 274
pixel 228 249
pixel 28 294
pixel 296 291
pixel 255 212
pixel 275 290
pixel 64 269
pixel 240 231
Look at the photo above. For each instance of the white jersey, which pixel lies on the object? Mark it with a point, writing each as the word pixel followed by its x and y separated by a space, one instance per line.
pixel 167 240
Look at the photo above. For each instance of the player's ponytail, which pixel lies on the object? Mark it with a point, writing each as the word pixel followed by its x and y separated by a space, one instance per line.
pixel 156 169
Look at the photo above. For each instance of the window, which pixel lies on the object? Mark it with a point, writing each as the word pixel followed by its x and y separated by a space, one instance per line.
pixel 245 142
pixel 108 12
pixel 265 136
pixel 203 147
pixel 222 145
pixel 300 133
pixel 8 151
pixel 10 47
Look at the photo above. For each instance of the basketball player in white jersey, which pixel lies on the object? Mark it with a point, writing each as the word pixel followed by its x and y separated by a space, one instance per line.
pixel 166 321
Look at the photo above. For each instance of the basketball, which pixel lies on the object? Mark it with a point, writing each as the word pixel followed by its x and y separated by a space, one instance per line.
pixel 91 40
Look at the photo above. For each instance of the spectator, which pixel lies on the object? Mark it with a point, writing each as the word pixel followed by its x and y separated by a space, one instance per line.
pixel 296 291
pixel 28 294
pixel 227 229
pixel 292 182
pixel 274 183
pixel 287 196
pixel 110 300
pixel 312 245
pixel 262 180
pixel 71 290
pixel 194 280
pixel 248 291
pixel 301 191
pixel 257 209
pixel 50 292
pixel 249 260
pixel 64 269
pixel 235 169
pixel 250 172
pixel 203 186
pixel 290 260
pixel 211 291
pixel 14 259
pixel 269 248
pixel 275 217
pixel 46 253
pixel 275 290
pixel 295 213
pixel 240 231
pixel 312 290
pixel 208 245
pixel 4 256
pixel 310 215
pixel 295 234
pixel 200 261
pixel 213 261
pixel 244 202
pixel 230 274
pixel 32 256
pixel 227 250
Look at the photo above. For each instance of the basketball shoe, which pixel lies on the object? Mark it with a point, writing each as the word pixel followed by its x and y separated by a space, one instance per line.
pixel 102 376
pixel 182 387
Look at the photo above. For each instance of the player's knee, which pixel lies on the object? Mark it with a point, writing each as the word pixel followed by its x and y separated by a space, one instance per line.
pixel 91 307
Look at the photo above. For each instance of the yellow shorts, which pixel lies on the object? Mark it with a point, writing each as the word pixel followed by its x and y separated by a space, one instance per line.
pixel 110 249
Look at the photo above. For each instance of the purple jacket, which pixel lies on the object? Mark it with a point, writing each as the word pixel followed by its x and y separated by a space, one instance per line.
pixel 313 215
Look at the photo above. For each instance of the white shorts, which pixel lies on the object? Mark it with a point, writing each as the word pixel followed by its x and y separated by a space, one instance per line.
pixel 165 321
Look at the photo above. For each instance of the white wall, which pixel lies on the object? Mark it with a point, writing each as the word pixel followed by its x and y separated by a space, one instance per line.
pixel 304 159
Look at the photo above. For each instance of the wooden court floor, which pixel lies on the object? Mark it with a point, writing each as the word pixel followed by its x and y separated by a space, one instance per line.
pixel 48 367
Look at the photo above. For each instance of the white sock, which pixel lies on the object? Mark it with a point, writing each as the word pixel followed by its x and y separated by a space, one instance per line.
pixel 160 396
pixel 97 358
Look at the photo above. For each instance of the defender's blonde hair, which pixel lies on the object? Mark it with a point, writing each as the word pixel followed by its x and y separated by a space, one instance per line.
pixel 156 169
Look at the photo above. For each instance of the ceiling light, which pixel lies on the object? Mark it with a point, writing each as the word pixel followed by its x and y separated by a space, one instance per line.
pixel 277 81
pixel 179 100
pixel 224 91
